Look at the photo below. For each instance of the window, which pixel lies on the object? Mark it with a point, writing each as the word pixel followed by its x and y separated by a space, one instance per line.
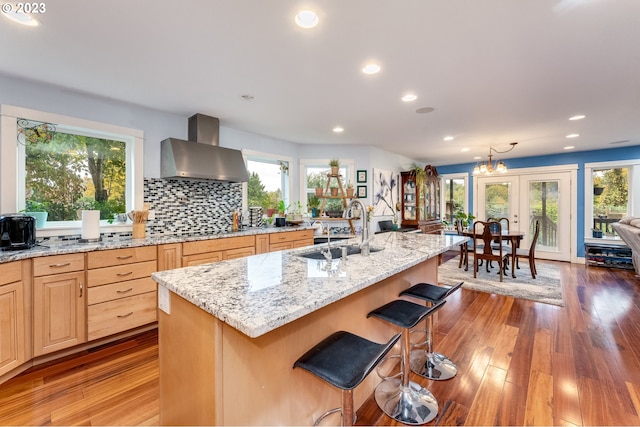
pixel 269 181
pixel 455 196
pixel 67 171
pixel 608 196
pixel 63 164
pixel 314 175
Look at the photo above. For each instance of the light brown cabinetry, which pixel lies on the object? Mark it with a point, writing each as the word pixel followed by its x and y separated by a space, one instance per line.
pixel 262 243
pixel 290 240
pixel 169 256
pixel 121 293
pixel 204 251
pixel 12 317
pixel 58 303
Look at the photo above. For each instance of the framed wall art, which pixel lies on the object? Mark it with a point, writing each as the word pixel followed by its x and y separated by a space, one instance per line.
pixel 362 191
pixel 361 176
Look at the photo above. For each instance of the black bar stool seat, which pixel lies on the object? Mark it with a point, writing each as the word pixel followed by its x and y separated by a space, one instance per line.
pixel 401 399
pixel 344 360
pixel 427 363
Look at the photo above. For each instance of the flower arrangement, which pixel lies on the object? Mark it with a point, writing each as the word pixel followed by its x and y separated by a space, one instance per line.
pixel 369 212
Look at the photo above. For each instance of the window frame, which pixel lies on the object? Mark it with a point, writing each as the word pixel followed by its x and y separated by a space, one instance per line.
pixel 443 202
pixel 12 158
pixel 251 155
pixel 633 204
pixel 349 164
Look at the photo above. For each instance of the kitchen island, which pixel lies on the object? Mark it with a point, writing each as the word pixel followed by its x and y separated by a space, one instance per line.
pixel 230 332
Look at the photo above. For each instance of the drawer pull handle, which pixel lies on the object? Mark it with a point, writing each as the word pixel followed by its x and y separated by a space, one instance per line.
pixel 124 291
pixel 125 315
pixel 63 264
pixel 80 290
pixel 124 274
pixel 125 256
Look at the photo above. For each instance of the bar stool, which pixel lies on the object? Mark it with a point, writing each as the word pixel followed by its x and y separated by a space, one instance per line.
pixel 344 360
pixel 429 364
pixel 402 399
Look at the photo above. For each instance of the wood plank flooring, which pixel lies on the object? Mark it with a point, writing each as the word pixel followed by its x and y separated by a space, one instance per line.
pixel 520 363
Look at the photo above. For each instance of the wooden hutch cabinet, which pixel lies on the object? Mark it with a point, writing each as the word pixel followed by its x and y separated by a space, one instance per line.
pixel 421 206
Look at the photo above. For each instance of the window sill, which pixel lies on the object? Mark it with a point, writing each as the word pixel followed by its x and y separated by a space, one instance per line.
pixel 54 230
pixel 605 240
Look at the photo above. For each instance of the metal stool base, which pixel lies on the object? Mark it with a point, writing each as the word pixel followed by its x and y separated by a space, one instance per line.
pixel 412 404
pixel 434 367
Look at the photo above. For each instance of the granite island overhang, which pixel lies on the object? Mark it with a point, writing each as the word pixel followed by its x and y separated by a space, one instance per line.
pixel 230 331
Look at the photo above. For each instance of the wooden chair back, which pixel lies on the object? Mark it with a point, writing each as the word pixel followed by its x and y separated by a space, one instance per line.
pixel 504 222
pixel 532 248
pixel 488 232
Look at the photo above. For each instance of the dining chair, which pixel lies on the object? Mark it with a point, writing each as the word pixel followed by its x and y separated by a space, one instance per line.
pixel 465 248
pixel 531 252
pixel 488 232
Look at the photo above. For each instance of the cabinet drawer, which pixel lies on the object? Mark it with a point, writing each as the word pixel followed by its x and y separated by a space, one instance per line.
pixel 280 246
pixel 120 315
pixel 214 245
pixel 102 276
pixel 99 259
pixel 238 253
pixel 191 260
pixel 290 236
pixel 44 266
pixel 302 243
pixel 114 291
pixel 10 272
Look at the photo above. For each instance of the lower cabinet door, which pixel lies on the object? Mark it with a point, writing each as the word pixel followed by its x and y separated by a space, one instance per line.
pixel 111 317
pixel 58 312
pixel 12 345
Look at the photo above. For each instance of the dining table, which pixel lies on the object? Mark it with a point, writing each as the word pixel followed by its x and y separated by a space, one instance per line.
pixel 514 237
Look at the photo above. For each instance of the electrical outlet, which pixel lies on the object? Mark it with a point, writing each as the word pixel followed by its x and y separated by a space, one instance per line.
pixel 152 215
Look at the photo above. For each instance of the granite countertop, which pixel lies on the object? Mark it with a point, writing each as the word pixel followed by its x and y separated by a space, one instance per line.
pixel 260 293
pixel 44 249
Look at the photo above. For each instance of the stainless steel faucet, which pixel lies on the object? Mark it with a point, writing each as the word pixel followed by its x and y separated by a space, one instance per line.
pixel 326 254
pixel 364 244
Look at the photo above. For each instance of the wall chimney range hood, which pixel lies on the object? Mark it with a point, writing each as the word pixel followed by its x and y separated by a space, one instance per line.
pixel 201 157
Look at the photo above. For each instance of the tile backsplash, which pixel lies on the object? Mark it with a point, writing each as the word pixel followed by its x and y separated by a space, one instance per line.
pixel 183 206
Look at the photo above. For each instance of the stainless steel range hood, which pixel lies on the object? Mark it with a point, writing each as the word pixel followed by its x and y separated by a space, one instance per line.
pixel 200 157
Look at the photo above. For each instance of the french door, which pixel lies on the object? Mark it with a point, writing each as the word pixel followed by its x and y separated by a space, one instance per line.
pixel 528 198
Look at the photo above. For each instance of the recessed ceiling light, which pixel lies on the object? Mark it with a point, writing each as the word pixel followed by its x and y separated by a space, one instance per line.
pixel 409 97
pixel 464 150
pixel 424 110
pixel 573 135
pixel 306 19
pixel 247 97
pixel 21 18
pixel 371 69
pixel 338 129
pixel 569 147
pixel 577 117
pixel 449 138
pixel 477 158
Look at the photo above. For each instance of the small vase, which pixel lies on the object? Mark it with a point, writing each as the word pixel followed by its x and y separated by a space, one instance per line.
pixel 318 191
pixel 335 170
pixel 334 192
pixel 349 192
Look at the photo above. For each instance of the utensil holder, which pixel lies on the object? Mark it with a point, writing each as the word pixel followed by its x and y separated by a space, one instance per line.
pixel 139 230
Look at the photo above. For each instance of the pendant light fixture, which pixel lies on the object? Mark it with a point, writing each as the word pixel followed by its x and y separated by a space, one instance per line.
pixel 488 167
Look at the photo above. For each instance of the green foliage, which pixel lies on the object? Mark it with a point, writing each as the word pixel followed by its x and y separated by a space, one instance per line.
pixel 615 197
pixel 465 218
pixel 61 173
pixel 258 196
pixel 334 162
pixel 313 201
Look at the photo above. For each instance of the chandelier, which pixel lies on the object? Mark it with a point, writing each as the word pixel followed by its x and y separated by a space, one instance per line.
pixel 489 167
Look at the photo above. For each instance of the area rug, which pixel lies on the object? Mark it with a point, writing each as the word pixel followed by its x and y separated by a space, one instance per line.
pixel 544 288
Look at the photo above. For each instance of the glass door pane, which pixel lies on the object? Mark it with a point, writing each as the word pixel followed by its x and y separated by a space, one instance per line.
pixel 497 200
pixel 544 207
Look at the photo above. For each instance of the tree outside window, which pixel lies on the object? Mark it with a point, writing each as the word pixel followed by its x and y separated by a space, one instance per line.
pixel 67 172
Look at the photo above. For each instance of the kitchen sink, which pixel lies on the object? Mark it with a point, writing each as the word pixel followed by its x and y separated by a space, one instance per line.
pixel 336 252
pixel 321 240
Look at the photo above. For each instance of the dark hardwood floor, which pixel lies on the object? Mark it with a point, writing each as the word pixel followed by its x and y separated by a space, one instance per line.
pixel 520 363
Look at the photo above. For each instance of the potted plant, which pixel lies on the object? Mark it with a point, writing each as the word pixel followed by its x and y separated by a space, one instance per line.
pixel 466 219
pixel 349 189
pixel 313 203
pixel 335 166
pixel 295 214
pixel 38 211
pixel 334 191
pixel 319 191
pixel 281 208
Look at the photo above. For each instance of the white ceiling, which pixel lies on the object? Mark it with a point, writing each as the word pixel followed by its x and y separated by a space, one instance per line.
pixel 495 71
